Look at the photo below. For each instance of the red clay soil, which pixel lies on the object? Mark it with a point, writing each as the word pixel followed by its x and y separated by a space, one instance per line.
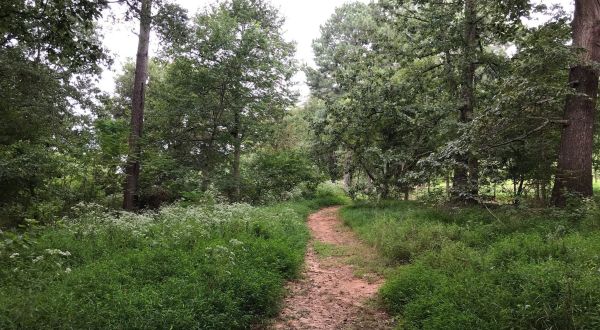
pixel 329 295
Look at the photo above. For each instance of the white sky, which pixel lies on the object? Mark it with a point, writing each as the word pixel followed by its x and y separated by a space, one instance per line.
pixel 303 20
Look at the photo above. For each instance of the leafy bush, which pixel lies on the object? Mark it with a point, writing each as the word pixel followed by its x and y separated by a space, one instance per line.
pixel 209 266
pixel 276 176
pixel 471 269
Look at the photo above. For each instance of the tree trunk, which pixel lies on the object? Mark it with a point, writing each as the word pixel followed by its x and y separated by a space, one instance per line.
pixel 237 152
pixel 574 172
pixel 519 190
pixel 447 184
pixel 210 153
pixel 132 168
pixel 466 172
pixel 348 172
pixel 473 177
pixel 544 193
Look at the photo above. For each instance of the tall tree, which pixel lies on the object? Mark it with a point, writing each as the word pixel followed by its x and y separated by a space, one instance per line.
pixel 132 169
pixel 220 94
pixel 466 173
pixel 240 44
pixel 574 172
pixel 462 38
pixel 170 24
pixel 377 102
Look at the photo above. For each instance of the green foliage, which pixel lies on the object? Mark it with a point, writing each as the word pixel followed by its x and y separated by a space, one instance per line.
pixel 210 266
pixel 390 81
pixel 60 33
pixel 471 269
pixel 272 176
pixel 369 119
pixel 37 136
pixel 218 94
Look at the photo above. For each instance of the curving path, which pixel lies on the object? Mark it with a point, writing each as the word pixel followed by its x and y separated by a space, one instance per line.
pixel 329 295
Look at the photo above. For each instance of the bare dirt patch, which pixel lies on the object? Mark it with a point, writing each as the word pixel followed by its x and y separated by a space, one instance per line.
pixel 330 295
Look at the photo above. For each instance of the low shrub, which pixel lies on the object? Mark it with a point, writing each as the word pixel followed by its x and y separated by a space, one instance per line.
pixel 276 176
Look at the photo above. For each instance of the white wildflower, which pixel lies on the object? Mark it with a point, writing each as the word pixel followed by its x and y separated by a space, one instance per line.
pixel 38 258
pixel 14 255
pixel 235 242
pixel 59 252
pixel 68 270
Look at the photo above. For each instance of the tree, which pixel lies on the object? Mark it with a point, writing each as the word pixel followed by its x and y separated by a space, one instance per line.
pixel 460 39
pixel 376 101
pixel 48 50
pixel 574 172
pixel 517 127
pixel 132 169
pixel 227 87
pixel 169 20
pixel 389 72
pixel 466 173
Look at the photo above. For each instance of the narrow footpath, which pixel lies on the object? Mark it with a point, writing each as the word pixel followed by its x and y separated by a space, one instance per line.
pixel 330 294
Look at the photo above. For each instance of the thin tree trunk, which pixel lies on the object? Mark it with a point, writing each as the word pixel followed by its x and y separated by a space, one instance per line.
pixel 348 171
pixel 519 192
pixel 466 173
pixel 474 176
pixel 448 184
pixel 209 155
pixel 574 172
pixel 370 181
pixel 132 168
pixel 544 193
pixel 237 152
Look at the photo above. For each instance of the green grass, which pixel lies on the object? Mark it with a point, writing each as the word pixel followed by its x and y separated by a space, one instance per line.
pixel 325 250
pixel 196 267
pixel 471 269
pixel 596 186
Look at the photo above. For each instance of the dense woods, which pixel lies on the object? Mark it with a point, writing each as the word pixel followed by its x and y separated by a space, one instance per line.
pixel 187 185
pixel 414 92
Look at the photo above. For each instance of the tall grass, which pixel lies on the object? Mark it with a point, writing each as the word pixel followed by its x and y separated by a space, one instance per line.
pixel 486 269
pixel 197 267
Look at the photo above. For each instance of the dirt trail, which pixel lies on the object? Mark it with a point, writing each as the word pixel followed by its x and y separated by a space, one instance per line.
pixel 329 295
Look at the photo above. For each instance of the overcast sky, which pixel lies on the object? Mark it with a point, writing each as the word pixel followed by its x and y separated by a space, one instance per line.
pixel 303 19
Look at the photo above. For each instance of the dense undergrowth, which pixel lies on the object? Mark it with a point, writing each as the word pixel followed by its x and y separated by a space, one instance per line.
pixel 212 266
pixel 481 269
